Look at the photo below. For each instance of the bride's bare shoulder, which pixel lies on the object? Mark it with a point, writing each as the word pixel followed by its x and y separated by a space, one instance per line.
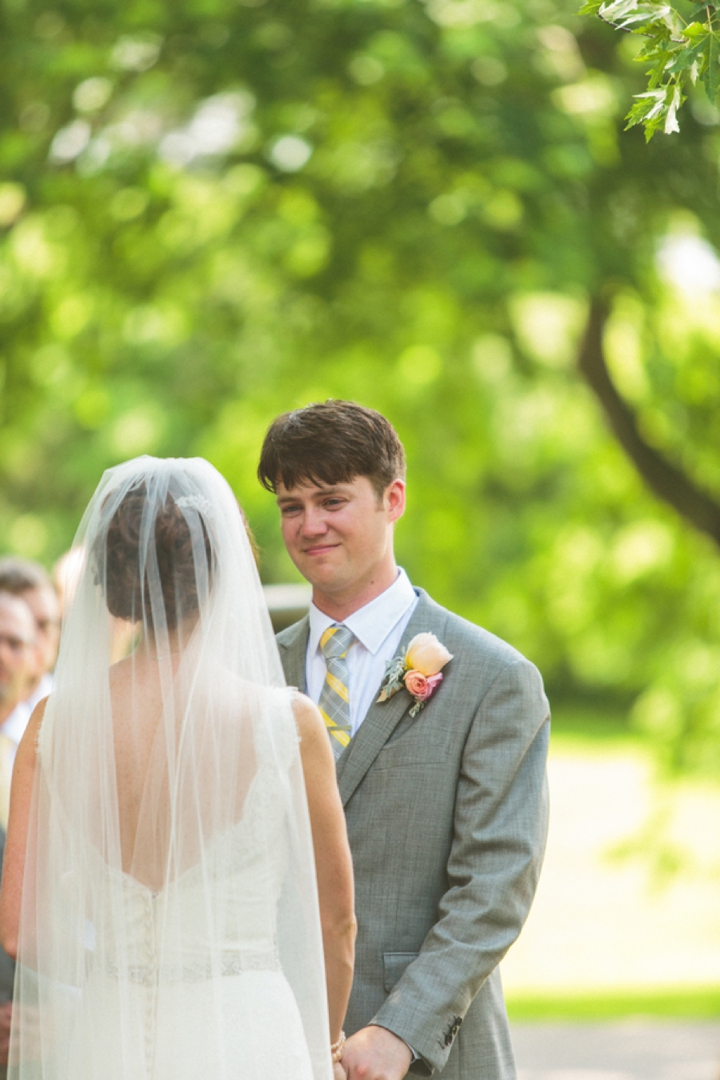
pixel 307 717
pixel 120 671
pixel 29 742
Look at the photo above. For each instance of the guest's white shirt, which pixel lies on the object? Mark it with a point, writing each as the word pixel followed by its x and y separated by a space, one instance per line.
pixel 17 721
pixel 11 732
pixel 378 627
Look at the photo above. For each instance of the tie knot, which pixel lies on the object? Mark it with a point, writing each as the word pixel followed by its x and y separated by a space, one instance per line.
pixel 336 641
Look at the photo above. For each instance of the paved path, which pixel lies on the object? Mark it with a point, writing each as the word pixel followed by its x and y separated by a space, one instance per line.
pixel 622 1050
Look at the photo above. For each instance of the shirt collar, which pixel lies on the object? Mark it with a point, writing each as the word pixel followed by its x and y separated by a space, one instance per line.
pixel 372 623
pixel 15 724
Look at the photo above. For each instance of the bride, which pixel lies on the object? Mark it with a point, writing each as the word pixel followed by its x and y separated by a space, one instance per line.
pixel 177 885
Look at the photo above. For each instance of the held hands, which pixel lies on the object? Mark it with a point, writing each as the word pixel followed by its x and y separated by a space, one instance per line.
pixel 374 1053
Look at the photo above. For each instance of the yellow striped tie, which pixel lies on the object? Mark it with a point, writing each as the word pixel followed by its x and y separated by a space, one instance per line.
pixel 335 699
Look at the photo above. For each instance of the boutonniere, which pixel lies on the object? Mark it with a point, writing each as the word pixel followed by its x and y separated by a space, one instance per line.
pixel 419 670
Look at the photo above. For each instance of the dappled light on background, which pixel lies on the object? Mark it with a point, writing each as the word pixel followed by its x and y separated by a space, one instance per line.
pixel 290 153
pixel 28 536
pixel 548 326
pixel 92 94
pixel 233 211
pixel 593 97
pixel 138 431
pixel 131 53
pixel 12 201
pixel 641 548
pixel 690 263
pixel 624 342
pixel 219 124
pixel 561 57
pixel 70 141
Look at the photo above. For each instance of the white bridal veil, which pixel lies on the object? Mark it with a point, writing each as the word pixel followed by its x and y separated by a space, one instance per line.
pixel 169 922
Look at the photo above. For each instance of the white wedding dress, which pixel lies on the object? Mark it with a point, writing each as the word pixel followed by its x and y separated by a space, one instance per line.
pixel 224 1011
pixel 169 920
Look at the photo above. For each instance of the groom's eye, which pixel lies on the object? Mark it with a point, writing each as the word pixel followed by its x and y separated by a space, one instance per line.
pixel 290 508
pixel 333 504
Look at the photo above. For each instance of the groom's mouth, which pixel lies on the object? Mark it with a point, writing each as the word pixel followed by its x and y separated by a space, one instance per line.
pixel 320 549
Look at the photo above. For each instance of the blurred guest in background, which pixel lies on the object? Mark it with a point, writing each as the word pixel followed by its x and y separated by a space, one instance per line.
pixel 18 670
pixel 65 576
pixel 29 582
pixel 29 638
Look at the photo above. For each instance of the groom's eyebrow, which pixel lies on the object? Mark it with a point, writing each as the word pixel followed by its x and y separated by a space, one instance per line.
pixel 321 491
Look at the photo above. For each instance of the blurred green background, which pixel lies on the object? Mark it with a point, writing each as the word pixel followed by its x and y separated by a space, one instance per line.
pixel 215 210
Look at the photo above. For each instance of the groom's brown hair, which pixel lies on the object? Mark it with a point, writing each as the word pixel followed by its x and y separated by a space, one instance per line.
pixel 331 442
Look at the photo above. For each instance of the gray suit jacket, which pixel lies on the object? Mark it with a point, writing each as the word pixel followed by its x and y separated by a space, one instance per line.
pixel 447 819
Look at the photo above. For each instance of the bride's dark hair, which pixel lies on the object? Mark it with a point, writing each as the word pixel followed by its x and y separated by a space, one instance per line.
pixel 126 586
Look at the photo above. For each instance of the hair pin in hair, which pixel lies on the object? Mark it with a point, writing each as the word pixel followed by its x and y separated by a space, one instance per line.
pixel 195 502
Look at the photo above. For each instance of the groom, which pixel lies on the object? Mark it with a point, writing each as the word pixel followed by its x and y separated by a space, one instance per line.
pixel 446 803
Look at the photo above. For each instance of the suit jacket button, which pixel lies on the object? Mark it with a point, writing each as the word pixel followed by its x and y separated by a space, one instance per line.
pixel 453 1030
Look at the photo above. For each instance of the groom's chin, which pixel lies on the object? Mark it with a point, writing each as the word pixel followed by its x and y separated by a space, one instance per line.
pixel 320 570
pixel 326 583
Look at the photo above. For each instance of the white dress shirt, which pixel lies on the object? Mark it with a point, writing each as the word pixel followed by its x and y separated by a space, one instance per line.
pixel 17 721
pixel 11 732
pixel 378 627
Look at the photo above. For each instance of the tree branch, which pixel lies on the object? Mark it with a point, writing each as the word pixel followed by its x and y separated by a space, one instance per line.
pixel 666 480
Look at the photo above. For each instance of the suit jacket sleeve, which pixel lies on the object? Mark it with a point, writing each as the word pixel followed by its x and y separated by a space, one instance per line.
pixel 500 828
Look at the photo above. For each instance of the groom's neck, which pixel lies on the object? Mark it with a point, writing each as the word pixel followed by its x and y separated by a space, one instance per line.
pixel 342 603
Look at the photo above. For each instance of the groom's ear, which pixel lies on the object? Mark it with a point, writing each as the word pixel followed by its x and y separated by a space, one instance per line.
pixel 394 499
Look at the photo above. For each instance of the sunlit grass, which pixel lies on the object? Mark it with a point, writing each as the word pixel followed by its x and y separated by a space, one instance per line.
pixel 680 1003
pixel 625 919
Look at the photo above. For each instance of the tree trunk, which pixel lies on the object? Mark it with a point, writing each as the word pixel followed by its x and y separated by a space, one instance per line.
pixel 666 480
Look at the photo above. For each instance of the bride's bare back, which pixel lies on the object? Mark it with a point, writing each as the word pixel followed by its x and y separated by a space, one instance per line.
pixel 147 735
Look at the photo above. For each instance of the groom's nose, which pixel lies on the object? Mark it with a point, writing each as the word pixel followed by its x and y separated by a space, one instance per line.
pixel 314 522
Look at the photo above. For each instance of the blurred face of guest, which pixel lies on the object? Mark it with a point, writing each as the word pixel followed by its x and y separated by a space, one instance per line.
pixel 45 607
pixel 18 661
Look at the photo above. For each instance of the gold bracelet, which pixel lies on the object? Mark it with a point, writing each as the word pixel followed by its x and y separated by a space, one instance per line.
pixel 337 1049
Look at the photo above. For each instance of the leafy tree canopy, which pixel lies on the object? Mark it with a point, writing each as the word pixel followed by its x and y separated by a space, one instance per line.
pixel 213 211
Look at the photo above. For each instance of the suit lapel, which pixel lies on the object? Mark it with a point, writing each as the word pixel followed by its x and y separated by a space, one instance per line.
pixel 293 649
pixel 382 719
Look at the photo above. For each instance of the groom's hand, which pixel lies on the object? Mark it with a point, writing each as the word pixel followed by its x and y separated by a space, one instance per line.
pixel 374 1053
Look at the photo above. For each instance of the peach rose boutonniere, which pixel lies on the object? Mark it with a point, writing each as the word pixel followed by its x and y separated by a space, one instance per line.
pixel 419 670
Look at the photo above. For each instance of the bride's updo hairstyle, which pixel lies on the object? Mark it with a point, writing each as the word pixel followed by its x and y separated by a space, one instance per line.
pixel 126 583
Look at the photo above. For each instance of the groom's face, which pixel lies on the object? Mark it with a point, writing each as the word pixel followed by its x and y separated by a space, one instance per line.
pixel 340 536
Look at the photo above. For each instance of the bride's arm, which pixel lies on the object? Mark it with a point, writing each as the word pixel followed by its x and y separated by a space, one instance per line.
pixel 333 862
pixel 16 842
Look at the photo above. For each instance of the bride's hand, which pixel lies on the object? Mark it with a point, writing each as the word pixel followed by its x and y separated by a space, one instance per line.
pixel 338 1072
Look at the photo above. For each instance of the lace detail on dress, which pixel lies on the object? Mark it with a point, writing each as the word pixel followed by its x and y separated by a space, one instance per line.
pixel 42 735
pixel 230 963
